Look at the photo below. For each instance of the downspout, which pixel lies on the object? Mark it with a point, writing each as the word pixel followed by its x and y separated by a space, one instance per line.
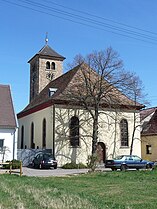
pixel 14 143
pixel 53 129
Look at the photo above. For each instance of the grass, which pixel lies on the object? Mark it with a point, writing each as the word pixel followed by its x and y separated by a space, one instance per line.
pixel 110 190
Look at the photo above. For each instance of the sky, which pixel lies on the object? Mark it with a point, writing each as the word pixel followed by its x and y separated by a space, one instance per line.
pixel 77 27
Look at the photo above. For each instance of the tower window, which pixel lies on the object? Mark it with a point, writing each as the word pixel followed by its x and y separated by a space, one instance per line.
pixel 47 65
pixel 53 66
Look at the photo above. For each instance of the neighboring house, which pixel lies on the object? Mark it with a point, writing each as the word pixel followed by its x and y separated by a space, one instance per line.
pixel 149 133
pixel 8 125
pixel 52 121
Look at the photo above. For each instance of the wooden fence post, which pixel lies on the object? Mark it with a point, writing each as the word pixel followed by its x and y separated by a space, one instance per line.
pixel 20 168
pixel 10 167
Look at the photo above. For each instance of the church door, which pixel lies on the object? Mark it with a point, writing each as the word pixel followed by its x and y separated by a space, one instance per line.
pixel 101 152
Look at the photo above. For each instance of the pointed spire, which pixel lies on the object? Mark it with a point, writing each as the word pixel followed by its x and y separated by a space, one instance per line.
pixel 46 38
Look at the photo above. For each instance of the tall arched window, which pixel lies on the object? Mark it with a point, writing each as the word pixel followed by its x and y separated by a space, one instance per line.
pixel 74 132
pixel 44 134
pixel 53 66
pixel 32 136
pixel 47 65
pixel 124 133
pixel 22 137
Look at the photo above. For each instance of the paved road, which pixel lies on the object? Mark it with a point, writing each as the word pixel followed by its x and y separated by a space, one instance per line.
pixel 52 172
pixel 55 172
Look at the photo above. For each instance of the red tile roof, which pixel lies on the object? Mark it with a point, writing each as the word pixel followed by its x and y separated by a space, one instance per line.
pixel 146 112
pixel 7 115
pixel 150 127
pixel 69 82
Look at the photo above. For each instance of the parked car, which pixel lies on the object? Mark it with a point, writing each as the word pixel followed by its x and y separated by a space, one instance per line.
pixel 124 162
pixel 44 160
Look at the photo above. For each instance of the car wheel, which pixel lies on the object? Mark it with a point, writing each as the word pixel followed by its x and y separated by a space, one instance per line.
pixel 148 166
pixel 55 167
pixel 35 166
pixel 123 168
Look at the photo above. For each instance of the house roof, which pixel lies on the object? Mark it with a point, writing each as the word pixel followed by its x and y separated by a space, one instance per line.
pixel 47 51
pixel 147 112
pixel 149 121
pixel 67 83
pixel 7 115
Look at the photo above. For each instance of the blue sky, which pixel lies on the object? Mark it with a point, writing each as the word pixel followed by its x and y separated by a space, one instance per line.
pixel 77 27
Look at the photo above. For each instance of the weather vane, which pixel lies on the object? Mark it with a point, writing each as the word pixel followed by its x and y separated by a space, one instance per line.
pixel 46 38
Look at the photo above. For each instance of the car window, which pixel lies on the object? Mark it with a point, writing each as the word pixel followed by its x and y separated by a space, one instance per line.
pixel 46 156
pixel 128 158
pixel 136 158
pixel 118 157
pixel 39 156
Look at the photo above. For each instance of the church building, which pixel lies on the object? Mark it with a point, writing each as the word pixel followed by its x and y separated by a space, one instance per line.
pixel 52 121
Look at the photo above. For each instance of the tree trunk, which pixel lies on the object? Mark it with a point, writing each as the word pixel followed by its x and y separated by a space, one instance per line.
pixel 132 142
pixel 133 134
pixel 115 137
pixel 95 133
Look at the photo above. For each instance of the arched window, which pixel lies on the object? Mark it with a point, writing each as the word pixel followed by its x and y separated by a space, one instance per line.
pixel 47 65
pixel 22 137
pixel 74 132
pixel 44 134
pixel 32 136
pixel 53 66
pixel 124 133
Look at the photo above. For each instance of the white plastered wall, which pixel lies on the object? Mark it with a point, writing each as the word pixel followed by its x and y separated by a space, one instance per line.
pixel 64 153
pixel 36 118
pixel 109 134
pixel 10 143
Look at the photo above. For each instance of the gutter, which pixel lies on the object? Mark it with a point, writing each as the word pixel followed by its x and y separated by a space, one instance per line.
pixel 53 129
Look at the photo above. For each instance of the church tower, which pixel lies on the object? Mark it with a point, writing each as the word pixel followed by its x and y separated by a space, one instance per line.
pixel 45 66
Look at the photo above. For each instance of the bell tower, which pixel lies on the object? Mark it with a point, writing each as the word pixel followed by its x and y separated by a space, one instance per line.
pixel 45 66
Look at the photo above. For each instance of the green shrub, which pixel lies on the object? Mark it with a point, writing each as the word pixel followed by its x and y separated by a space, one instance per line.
pixel 73 165
pixel 92 162
pixel 15 164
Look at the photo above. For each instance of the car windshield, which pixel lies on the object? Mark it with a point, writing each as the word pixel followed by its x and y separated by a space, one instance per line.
pixel 47 155
pixel 118 157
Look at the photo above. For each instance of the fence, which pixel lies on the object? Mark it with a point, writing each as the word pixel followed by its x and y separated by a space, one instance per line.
pixel 11 170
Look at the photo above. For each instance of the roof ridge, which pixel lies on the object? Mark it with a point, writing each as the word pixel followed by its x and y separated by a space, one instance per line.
pixel 46 50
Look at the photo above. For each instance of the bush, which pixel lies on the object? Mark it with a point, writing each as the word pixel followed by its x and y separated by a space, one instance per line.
pixel 15 164
pixel 92 162
pixel 73 165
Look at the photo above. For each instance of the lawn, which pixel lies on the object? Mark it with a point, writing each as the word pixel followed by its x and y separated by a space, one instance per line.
pixel 105 190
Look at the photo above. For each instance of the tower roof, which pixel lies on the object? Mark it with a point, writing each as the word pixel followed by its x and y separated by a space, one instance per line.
pixel 47 51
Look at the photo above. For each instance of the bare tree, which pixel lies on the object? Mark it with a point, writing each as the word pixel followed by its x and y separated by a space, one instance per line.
pixel 102 82
pixel 135 91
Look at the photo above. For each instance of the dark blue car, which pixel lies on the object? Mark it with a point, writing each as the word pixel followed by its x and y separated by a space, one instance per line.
pixel 44 160
pixel 124 162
